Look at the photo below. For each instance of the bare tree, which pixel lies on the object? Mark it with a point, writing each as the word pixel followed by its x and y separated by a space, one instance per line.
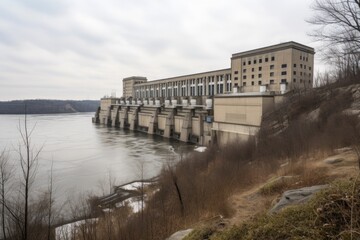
pixel 5 174
pixel 28 157
pixel 50 202
pixel 338 24
pixel 338 21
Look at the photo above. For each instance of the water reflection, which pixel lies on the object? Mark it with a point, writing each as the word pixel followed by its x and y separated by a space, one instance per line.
pixel 84 153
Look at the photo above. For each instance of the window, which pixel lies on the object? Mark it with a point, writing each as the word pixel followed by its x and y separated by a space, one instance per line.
pixel 300 65
pixel 244 63
pixel 300 57
pixel 260 68
pixel 259 82
pixel 252 76
pixel 244 70
pixel 283 73
pixel 304 66
pixel 294 80
pixel 266 59
pixel 244 83
pixel 294 72
pixel 249 62
pixel 272 58
pixel 300 80
pixel 236 72
pixel 283 80
pixel 300 73
pixel 271 74
pixel 253 69
pixel 244 77
pixel 252 83
pixel 310 68
pixel 236 78
pixel 309 74
pixel 259 75
pixel 254 61
pixel 306 58
pixel 309 81
pixel 283 65
pixel 271 66
pixel 271 81
pixel 294 64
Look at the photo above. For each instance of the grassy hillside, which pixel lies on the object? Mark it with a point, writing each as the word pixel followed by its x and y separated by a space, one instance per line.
pixel 211 190
pixel 48 106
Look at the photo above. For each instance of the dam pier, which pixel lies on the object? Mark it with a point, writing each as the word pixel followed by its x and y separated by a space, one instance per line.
pixel 181 119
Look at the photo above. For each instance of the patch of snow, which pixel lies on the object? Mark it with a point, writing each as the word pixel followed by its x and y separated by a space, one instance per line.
pixel 107 210
pixel 200 149
pixel 134 185
pixel 134 203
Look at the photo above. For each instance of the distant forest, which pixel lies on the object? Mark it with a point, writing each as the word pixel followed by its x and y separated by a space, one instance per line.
pixel 48 106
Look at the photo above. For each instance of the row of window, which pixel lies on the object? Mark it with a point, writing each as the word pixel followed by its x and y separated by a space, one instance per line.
pixel 302 66
pixel 255 61
pixel 283 73
pixel 273 82
pixel 200 90
pixel 304 58
pixel 271 68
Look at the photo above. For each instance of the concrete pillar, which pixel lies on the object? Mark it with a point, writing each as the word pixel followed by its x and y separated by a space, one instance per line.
pixel 123 117
pixel 169 123
pixel 115 119
pixel 134 120
pixel 108 116
pixel 186 127
pixel 153 122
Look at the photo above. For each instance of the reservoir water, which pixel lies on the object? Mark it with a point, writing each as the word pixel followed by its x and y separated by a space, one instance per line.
pixel 84 154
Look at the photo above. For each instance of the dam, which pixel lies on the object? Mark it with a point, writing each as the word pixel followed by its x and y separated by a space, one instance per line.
pixel 216 106
pixel 178 119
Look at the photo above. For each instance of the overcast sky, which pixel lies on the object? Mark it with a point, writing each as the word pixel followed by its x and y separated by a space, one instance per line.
pixel 82 49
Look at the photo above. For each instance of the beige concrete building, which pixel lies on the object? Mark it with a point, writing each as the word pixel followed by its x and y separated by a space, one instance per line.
pixel 217 106
pixel 192 85
pixel 129 85
pixel 265 69
pixel 277 68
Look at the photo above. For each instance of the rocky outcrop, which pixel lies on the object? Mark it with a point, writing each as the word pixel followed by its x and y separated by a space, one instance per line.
pixel 297 196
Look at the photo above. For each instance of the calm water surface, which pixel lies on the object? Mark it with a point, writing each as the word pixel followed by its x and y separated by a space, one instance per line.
pixel 83 154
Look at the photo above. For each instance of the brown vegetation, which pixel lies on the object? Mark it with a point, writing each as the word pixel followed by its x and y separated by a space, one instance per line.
pixel 199 188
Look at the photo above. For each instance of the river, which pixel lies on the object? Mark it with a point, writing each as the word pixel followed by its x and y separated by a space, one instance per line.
pixel 84 154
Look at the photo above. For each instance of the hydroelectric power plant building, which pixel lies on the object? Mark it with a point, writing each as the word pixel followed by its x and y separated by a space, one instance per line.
pixel 215 106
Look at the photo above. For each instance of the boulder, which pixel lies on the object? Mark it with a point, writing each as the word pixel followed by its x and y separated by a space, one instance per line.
pixel 180 234
pixel 333 160
pixel 296 196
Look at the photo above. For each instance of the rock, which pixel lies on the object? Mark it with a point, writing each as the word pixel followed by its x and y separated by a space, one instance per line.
pixel 333 160
pixel 180 234
pixel 297 196
pixel 342 150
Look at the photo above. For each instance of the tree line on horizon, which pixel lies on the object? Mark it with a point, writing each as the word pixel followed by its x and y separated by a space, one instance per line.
pixel 39 106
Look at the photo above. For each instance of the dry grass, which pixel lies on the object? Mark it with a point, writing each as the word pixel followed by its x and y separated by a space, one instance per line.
pixel 225 181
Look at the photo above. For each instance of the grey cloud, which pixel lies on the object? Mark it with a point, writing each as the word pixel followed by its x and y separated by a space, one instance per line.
pixel 91 45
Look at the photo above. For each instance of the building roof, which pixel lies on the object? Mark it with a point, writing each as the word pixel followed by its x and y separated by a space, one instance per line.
pixel 275 48
pixel 183 76
pixel 135 78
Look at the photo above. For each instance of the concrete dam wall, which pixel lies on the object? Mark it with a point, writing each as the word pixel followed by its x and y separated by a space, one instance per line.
pixel 183 120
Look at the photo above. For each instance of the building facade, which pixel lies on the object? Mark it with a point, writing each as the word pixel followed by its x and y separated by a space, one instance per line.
pixel 276 68
pixel 221 106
